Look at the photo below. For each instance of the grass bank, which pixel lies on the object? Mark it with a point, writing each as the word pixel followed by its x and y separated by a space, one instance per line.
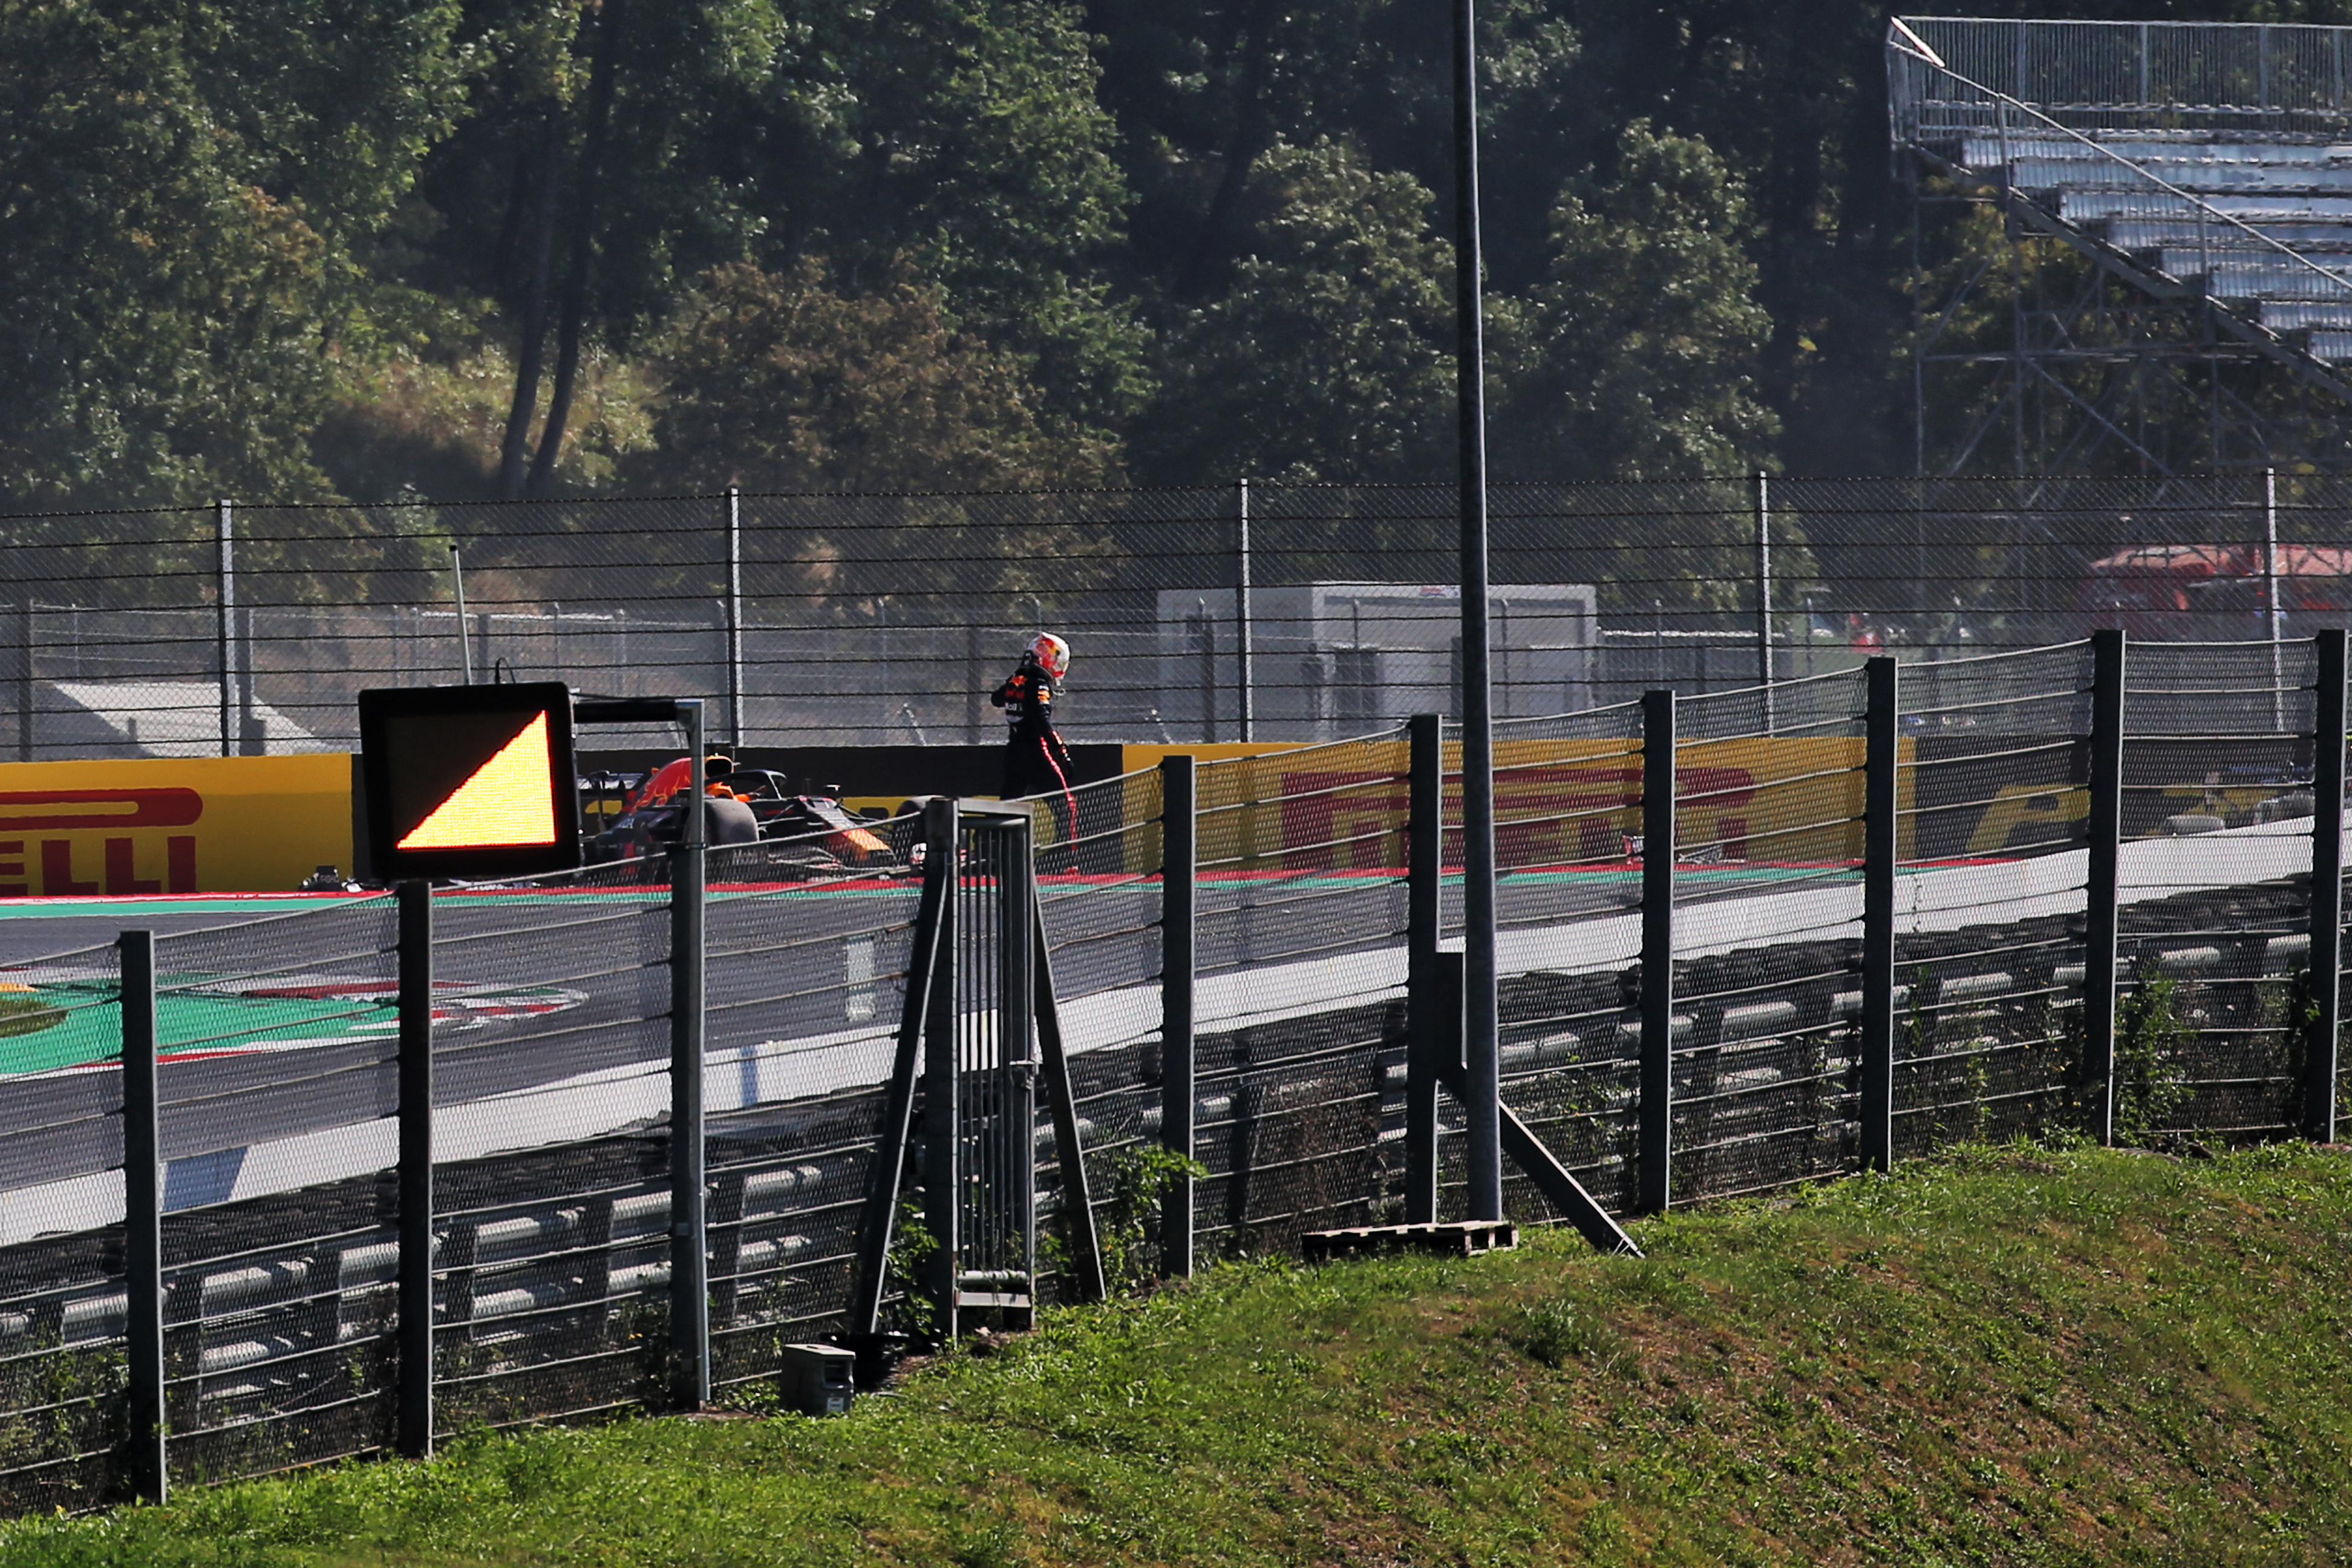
pixel 2015 1356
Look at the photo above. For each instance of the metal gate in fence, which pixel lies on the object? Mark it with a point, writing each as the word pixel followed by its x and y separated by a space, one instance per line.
pixel 980 1077
pixel 981 1022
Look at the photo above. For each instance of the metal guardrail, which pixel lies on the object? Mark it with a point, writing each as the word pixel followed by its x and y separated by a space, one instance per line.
pixel 2168 77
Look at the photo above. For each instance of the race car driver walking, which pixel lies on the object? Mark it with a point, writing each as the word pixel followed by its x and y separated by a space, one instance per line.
pixel 1035 760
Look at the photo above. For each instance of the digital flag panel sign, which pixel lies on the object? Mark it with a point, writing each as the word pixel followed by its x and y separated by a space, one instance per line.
pixel 469 781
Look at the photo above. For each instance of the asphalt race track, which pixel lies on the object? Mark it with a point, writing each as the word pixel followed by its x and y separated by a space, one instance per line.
pixel 279 1026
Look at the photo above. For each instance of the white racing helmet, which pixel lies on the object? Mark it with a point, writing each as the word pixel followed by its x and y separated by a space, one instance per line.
pixel 1051 654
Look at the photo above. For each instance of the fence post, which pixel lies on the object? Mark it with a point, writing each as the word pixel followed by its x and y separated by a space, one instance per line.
pixel 225 607
pixel 1882 754
pixel 1764 593
pixel 1208 652
pixel 2274 614
pixel 2327 892
pixel 2105 828
pixel 1657 1123
pixel 943 1086
pixel 1180 860
pixel 735 618
pixel 1242 615
pixel 1428 1033
pixel 142 1218
pixel 466 637
pixel 252 734
pixel 689 1252
pixel 881 1212
pixel 975 681
pixel 25 677
pixel 415 1436
pixel 1019 1054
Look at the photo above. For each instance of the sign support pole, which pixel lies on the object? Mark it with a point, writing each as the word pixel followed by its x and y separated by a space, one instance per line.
pixel 2327 891
pixel 1881 758
pixel 689 1252
pixel 142 1218
pixel 226 606
pixel 415 1308
pixel 1180 855
pixel 1657 1109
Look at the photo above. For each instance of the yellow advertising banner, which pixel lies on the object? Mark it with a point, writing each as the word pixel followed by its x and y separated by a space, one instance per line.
pixel 1557 803
pixel 210 824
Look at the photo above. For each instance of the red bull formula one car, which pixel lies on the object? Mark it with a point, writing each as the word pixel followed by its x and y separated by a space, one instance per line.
pixel 798 835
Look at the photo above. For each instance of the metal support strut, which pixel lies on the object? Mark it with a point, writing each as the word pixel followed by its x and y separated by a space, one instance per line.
pixel 880 1214
pixel 1077 1193
pixel 1657 1138
pixel 1180 855
pixel 143 1220
pixel 2320 1051
pixel 414 1436
pixel 689 1250
pixel 2100 908
pixel 1880 842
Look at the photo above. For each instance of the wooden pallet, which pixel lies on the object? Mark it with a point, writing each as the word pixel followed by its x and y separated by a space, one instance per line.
pixel 1454 1238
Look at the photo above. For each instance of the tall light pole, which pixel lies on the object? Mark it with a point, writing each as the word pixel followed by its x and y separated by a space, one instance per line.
pixel 1480 1023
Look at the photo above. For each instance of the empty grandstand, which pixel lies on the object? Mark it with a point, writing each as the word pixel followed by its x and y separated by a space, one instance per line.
pixel 2177 287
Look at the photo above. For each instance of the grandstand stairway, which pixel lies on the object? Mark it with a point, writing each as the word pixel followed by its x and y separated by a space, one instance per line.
pixel 2286 271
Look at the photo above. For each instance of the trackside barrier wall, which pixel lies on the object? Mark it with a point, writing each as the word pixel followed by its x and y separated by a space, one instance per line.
pixel 1744 943
pixel 1298 1013
pixel 1767 931
pixel 63 1289
pixel 1987 994
pixel 279 1291
pixel 1567 824
pixel 1098 901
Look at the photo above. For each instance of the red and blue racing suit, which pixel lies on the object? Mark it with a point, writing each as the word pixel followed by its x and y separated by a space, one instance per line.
pixel 1035 760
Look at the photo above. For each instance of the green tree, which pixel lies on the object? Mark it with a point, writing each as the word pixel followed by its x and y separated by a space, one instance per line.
pixel 1330 356
pixel 1638 354
pixel 961 139
pixel 618 153
pixel 1792 99
pixel 179 262
pixel 1202 88
pixel 793 383
pixel 569 209
pixel 784 383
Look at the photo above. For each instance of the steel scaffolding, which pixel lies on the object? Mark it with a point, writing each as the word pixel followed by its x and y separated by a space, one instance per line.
pixel 2170 290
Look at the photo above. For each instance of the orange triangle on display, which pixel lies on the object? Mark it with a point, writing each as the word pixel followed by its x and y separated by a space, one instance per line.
pixel 509 800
